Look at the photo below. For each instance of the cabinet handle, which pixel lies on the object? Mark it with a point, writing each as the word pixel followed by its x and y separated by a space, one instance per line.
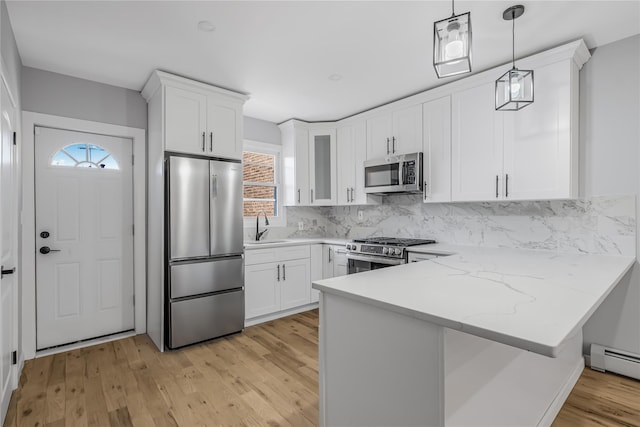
pixel 284 273
pixel 506 186
pixel 278 272
pixel 496 186
pixel 298 196
pixel 329 248
pixel 203 141
pixel 351 194
pixel 393 144
pixel 311 195
pixel 387 145
pixel 348 199
pixel 210 141
pixel 424 190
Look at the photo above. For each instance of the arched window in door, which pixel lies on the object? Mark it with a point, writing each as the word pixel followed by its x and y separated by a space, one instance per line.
pixel 84 156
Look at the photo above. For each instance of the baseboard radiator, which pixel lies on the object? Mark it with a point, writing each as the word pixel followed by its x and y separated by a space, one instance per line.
pixel 614 360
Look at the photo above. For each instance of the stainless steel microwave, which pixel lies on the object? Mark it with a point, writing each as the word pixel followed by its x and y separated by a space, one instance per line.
pixel 394 174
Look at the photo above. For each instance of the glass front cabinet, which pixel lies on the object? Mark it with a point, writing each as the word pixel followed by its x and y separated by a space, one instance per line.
pixel 322 167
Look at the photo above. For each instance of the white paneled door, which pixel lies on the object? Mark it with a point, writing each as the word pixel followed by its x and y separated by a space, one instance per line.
pixel 8 239
pixel 84 236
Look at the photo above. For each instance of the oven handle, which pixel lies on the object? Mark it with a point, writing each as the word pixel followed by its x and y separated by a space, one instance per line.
pixel 379 260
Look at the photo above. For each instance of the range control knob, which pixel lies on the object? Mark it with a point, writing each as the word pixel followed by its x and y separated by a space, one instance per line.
pixel 385 251
pixel 398 251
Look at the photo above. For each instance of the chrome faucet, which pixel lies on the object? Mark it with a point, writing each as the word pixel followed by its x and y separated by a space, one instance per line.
pixel 259 233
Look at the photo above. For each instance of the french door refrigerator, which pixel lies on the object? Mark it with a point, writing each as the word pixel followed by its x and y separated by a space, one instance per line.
pixel 204 250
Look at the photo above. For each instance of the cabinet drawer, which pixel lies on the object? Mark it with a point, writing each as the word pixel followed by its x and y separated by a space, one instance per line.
pixel 282 253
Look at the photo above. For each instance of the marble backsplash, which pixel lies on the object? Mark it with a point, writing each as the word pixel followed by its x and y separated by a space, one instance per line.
pixel 598 225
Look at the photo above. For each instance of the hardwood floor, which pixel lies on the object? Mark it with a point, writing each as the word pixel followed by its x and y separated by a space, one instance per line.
pixel 267 375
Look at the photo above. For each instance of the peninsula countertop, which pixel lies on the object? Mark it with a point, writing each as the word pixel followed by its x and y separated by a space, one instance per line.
pixel 533 300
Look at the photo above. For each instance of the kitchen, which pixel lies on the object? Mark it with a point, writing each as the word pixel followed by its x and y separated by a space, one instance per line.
pixel 600 219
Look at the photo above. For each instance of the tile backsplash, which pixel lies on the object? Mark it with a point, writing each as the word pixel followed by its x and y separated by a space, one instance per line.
pixel 598 225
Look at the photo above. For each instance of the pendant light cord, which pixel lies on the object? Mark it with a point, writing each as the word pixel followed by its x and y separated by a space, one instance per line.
pixel 453 13
pixel 513 39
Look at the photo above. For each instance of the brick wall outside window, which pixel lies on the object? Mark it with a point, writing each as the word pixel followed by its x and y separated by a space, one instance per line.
pixel 260 191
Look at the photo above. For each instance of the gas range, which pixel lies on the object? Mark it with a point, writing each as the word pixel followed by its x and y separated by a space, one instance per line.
pixel 388 247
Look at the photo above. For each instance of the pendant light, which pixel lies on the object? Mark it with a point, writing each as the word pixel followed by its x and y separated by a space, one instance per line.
pixel 514 89
pixel 452 44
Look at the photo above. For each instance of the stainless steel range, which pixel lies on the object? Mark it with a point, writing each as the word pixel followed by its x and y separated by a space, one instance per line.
pixel 378 252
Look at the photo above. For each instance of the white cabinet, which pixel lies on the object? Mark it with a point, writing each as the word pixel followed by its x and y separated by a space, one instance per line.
pixel 476 145
pixel 295 156
pixel 334 259
pixel 399 132
pixel 437 150
pixel 322 166
pixel 199 121
pixel 352 152
pixel 523 155
pixel 276 279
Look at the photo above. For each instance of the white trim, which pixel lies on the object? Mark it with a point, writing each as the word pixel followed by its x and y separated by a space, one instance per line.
pixel 83 344
pixel 556 405
pixel 29 120
pixel 267 148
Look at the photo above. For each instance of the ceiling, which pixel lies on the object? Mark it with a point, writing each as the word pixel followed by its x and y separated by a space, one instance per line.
pixel 283 53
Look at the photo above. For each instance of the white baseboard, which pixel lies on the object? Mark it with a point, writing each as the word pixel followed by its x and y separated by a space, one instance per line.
pixel 83 344
pixel 279 314
pixel 563 394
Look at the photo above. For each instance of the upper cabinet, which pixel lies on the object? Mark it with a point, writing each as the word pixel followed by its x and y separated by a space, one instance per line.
pixel 398 132
pixel 322 166
pixel 198 118
pixel 295 161
pixel 436 159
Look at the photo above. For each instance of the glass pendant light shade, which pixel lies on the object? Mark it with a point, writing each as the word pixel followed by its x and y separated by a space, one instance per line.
pixel 452 45
pixel 514 90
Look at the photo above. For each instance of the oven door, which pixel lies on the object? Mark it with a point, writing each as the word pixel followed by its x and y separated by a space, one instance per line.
pixel 357 263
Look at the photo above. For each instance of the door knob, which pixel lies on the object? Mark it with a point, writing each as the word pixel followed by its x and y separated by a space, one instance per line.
pixel 6 272
pixel 45 234
pixel 46 249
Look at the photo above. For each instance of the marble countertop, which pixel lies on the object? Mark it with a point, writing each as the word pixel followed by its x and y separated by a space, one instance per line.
pixel 533 300
pixel 249 245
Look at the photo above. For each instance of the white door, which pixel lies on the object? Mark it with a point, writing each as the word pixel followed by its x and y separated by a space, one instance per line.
pixel 223 131
pixel 295 286
pixel 8 238
pixel 84 236
pixel 379 132
pixel 261 289
pixel 407 130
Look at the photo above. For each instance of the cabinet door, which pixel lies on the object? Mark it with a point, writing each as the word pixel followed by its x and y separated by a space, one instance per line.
pixel 359 135
pixel 537 146
pixel 301 161
pixel 340 261
pixel 346 166
pixel 476 145
pixel 379 133
pixel 185 121
pixel 322 167
pixel 316 269
pixel 261 290
pixel 223 134
pixel 295 286
pixel 328 258
pixel 407 130
pixel 437 150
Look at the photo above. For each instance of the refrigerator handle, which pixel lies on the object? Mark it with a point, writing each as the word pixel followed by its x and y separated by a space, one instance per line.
pixel 214 186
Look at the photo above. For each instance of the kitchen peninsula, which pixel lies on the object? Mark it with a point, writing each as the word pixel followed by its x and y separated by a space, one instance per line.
pixel 485 336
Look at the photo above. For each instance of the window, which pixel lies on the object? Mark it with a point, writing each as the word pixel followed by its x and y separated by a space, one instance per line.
pixel 261 182
pixel 84 156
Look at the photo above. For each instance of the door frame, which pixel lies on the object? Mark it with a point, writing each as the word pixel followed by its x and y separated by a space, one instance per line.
pixel 138 136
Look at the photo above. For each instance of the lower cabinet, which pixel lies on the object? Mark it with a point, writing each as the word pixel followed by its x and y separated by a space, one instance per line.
pixel 334 264
pixel 276 279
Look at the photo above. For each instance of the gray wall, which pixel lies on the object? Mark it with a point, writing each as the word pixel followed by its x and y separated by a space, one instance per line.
pixel 261 130
pixel 66 96
pixel 609 164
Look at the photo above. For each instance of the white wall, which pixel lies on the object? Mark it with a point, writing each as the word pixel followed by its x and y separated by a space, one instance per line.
pixel 609 164
pixel 261 130
pixel 66 96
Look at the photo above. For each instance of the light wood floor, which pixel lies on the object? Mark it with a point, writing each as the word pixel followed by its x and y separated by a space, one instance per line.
pixel 267 375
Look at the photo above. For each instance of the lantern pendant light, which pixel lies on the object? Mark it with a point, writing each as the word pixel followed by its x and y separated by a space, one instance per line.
pixel 452 44
pixel 514 89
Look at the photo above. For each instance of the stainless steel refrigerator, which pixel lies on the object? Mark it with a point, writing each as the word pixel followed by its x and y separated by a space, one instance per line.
pixel 204 250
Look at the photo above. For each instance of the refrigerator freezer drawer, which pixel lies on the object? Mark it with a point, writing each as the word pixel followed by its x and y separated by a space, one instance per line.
pixel 204 277
pixel 204 318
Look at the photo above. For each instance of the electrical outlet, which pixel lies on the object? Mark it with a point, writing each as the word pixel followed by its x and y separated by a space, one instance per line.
pixel 360 214
pixel 300 226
